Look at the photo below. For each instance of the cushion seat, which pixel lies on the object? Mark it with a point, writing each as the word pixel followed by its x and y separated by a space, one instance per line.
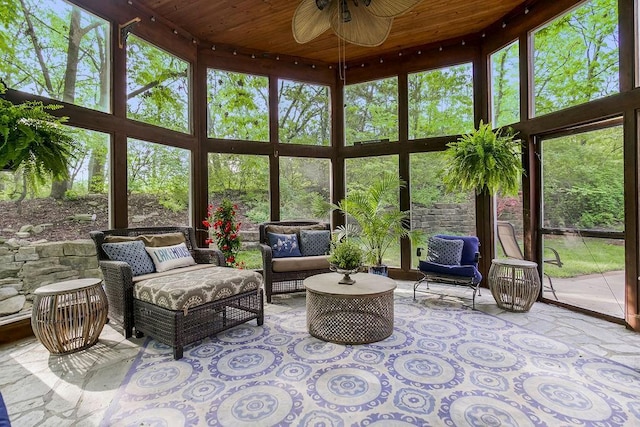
pixel 287 264
pixel 462 271
pixel 186 289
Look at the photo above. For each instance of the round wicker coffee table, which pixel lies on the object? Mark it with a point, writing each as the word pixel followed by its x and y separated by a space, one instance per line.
pixel 350 314
pixel 69 316
pixel 514 283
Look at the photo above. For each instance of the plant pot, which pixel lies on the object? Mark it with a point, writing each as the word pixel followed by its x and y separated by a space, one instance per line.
pixel 381 270
pixel 346 278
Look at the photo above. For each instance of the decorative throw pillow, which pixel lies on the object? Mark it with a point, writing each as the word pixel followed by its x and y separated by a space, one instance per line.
pixel 132 253
pixel 314 242
pixel 170 257
pixel 444 251
pixel 284 245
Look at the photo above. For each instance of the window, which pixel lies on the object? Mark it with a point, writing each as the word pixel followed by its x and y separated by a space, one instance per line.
pixel 433 210
pixel 505 85
pixel 371 111
pixel 157 86
pixel 158 184
pixel 441 102
pixel 38 55
pixel 575 57
pixel 244 180
pixel 304 188
pixel 360 173
pixel 303 113
pixel 238 106
pixel 60 210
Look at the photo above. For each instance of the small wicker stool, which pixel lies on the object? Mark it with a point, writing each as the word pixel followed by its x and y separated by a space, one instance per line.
pixel 360 313
pixel 514 283
pixel 69 316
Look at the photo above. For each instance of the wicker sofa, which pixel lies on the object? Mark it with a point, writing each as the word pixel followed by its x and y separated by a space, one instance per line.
pixel 286 275
pixel 182 305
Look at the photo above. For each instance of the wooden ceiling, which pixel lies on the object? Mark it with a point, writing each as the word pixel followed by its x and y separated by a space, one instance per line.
pixel 265 25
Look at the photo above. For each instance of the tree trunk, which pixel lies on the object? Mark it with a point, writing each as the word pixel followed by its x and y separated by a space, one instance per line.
pixel 97 163
pixel 58 188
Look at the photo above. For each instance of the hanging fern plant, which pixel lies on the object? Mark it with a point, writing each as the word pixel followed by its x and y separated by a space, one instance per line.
pixel 484 161
pixel 32 138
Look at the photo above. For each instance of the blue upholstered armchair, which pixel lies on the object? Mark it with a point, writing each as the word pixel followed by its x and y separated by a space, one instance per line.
pixel 451 260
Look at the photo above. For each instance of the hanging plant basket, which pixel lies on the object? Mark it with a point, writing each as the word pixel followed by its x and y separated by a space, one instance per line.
pixel 484 161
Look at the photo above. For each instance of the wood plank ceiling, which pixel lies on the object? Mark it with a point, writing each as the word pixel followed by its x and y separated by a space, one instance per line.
pixel 265 25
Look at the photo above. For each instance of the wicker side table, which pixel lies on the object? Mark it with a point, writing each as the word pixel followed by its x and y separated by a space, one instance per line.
pixel 360 313
pixel 69 316
pixel 514 283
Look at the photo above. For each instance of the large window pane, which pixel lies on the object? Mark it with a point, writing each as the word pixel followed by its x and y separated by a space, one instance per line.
pixel 371 111
pixel 158 184
pixel 505 85
pixel 243 179
pixel 304 114
pixel 583 192
pixel 441 102
pixel 157 86
pixel 238 106
pixel 60 210
pixel 576 57
pixel 433 210
pixel 57 50
pixel 304 188
pixel 360 173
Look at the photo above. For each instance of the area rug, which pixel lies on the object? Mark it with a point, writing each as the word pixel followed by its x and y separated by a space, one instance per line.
pixel 443 365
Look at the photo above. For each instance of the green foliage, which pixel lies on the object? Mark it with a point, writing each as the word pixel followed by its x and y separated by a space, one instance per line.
pixel 441 101
pixel 346 254
pixel 371 110
pixel 484 160
pixel 505 85
pixel 71 195
pixel 32 138
pixel 576 57
pixel 380 223
pixel 304 113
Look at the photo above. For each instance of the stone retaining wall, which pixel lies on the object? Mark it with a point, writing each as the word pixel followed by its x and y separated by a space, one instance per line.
pixel 25 266
pixel 445 218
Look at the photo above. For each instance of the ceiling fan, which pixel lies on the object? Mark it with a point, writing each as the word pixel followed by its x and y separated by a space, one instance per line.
pixel 360 22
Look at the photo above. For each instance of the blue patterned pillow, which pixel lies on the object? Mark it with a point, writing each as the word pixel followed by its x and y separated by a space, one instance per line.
pixel 133 253
pixel 444 251
pixel 284 245
pixel 314 242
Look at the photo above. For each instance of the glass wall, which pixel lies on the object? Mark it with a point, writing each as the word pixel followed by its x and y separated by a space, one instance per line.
pixel 371 111
pixel 361 173
pixel 54 49
pixel 157 86
pixel 304 115
pixel 433 210
pixel 583 218
pixel 576 58
pixel 441 102
pixel 158 184
pixel 505 85
pixel 305 188
pixel 238 106
pixel 244 180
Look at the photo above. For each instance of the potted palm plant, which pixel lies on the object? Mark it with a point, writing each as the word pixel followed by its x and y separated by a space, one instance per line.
pixel 32 138
pixel 484 161
pixel 378 223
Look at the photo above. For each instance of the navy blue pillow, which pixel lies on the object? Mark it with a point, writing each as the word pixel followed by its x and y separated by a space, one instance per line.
pixel 284 245
pixel 133 253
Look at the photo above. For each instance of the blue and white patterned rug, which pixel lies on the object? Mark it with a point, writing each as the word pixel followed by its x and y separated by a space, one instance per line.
pixel 443 365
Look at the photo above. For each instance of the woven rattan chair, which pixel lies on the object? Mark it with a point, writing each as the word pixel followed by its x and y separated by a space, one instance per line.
pixel 511 248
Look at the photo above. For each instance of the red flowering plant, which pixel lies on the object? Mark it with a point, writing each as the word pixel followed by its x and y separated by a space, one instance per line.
pixel 222 225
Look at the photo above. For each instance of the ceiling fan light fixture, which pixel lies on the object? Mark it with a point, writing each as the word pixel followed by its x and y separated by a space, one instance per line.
pixel 344 11
pixel 321 4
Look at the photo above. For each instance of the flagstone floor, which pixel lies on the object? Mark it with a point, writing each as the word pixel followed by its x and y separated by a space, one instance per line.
pixel 40 389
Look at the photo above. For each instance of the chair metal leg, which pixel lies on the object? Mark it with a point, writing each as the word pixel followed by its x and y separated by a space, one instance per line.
pixel 551 286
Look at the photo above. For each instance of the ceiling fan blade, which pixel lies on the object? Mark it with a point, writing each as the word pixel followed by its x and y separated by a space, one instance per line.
pixel 390 8
pixel 364 29
pixel 309 21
